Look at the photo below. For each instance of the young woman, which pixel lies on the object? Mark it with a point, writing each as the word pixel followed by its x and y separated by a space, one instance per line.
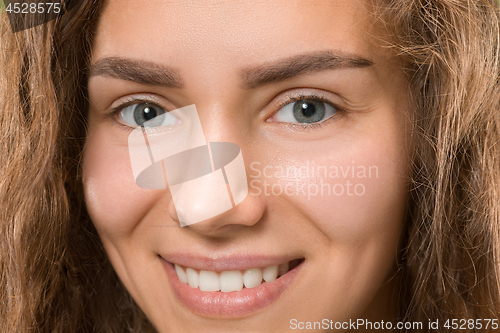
pixel 368 132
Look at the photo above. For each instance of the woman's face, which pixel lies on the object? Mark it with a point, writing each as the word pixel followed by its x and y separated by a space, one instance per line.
pixel 319 110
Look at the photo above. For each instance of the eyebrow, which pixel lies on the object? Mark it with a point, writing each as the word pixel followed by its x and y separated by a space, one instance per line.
pixel 137 71
pixel 286 69
pixel 149 73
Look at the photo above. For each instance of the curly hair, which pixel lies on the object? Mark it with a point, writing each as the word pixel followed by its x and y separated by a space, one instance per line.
pixel 452 52
pixel 54 272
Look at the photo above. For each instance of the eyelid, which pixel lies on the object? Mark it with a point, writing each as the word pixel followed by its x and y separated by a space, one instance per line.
pixel 298 96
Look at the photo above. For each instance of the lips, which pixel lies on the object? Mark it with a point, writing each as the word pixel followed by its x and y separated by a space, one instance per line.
pixel 234 292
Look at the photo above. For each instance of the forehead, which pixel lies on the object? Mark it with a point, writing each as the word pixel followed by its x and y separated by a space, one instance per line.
pixel 231 31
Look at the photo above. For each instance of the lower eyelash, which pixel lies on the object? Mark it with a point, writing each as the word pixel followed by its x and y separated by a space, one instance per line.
pixel 310 126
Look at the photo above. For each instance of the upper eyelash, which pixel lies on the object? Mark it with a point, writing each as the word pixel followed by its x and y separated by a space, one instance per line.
pixel 306 96
pixel 130 103
pixel 280 105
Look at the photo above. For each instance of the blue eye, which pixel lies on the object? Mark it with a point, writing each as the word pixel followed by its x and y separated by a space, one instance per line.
pixel 147 115
pixel 305 111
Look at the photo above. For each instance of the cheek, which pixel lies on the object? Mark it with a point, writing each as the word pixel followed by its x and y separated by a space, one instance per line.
pixel 364 195
pixel 114 202
pixel 355 194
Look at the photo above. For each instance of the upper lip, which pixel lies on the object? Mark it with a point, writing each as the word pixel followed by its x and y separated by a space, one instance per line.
pixel 226 263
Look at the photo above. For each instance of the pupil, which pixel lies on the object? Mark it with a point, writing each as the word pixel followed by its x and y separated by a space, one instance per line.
pixel 149 113
pixel 308 109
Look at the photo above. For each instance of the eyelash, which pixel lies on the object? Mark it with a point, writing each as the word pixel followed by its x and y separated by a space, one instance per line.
pixel 133 101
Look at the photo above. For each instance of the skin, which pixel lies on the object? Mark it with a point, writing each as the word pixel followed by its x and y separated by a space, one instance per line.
pixel 349 242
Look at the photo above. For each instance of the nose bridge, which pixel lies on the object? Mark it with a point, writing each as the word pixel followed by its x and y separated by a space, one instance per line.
pixel 217 121
pixel 213 86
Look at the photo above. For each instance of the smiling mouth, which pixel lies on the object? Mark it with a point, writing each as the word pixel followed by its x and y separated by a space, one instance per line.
pixel 229 293
pixel 228 281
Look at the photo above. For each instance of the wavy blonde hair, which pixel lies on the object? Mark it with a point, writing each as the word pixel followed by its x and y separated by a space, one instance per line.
pixel 451 260
pixel 54 273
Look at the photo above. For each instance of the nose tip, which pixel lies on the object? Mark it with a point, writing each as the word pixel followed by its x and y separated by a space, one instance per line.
pixel 247 213
pixel 207 181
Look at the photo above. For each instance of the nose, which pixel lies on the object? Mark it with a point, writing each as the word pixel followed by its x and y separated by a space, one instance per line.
pixel 218 199
pixel 246 214
pixel 209 194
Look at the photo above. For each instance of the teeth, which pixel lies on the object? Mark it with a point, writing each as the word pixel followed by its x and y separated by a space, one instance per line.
pixel 180 273
pixel 209 281
pixel 231 281
pixel 252 277
pixel 228 281
pixel 192 277
pixel 270 273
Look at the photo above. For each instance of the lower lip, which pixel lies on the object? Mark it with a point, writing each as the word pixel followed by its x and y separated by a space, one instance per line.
pixel 232 304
